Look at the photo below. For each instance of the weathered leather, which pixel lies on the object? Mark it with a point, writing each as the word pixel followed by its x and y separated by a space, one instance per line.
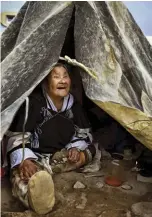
pixel 41 192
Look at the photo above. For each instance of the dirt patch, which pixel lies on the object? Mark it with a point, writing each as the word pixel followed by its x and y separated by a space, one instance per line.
pixel 96 200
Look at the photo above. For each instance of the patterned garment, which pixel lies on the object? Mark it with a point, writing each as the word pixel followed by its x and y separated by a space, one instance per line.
pixel 19 187
pixel 58 163
pixel 67 128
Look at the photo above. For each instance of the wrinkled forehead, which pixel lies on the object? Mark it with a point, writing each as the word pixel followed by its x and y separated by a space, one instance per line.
pixel 59 70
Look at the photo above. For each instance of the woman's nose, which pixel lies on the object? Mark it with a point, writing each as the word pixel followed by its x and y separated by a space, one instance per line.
pixel 63 80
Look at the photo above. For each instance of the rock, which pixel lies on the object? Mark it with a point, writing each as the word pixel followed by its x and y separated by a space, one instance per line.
pixel 80 206
pixel 126 187
pixel 78 185
pixel 99 185
pixel 143 209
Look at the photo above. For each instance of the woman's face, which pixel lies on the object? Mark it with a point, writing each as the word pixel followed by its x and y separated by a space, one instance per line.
pixel 59 82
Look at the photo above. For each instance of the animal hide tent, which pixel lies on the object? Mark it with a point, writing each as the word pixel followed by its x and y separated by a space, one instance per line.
pixel 107 41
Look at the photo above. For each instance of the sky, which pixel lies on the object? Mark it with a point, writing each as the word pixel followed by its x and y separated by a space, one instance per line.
pixel 141 11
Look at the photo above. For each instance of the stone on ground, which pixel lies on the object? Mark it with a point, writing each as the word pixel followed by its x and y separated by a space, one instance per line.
pixel 126 187
pixel 142 209
pixel 99 185
pixel 78 185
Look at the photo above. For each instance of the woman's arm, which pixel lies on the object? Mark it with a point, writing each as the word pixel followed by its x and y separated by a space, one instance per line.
pixel 82 140
pixel 15 134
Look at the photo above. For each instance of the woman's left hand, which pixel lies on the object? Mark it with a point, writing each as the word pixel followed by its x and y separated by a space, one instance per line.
pixel 74 155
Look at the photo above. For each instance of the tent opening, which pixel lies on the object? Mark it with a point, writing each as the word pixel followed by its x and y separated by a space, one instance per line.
pixel 106 131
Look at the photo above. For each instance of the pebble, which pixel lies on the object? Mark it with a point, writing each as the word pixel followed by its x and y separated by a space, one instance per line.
pixel 99 185
pixel 126 187
pixel 78 185
pixel 80 206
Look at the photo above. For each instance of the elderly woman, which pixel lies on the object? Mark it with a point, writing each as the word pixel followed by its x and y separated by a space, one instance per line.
pixel 56 129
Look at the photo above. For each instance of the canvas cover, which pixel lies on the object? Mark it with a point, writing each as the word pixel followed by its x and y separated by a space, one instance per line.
pixel 107 42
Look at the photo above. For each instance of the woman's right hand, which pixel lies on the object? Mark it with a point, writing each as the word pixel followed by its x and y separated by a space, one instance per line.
pixel 26 169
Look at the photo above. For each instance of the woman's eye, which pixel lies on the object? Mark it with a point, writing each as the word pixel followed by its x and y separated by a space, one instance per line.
pixel 56 77
pixel 66 76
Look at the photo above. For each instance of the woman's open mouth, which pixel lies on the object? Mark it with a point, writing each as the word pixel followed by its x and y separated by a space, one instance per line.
pixel 61 88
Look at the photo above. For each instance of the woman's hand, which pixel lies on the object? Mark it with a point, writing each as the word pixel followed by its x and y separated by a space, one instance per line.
pixel 74 155
pixel 26 169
